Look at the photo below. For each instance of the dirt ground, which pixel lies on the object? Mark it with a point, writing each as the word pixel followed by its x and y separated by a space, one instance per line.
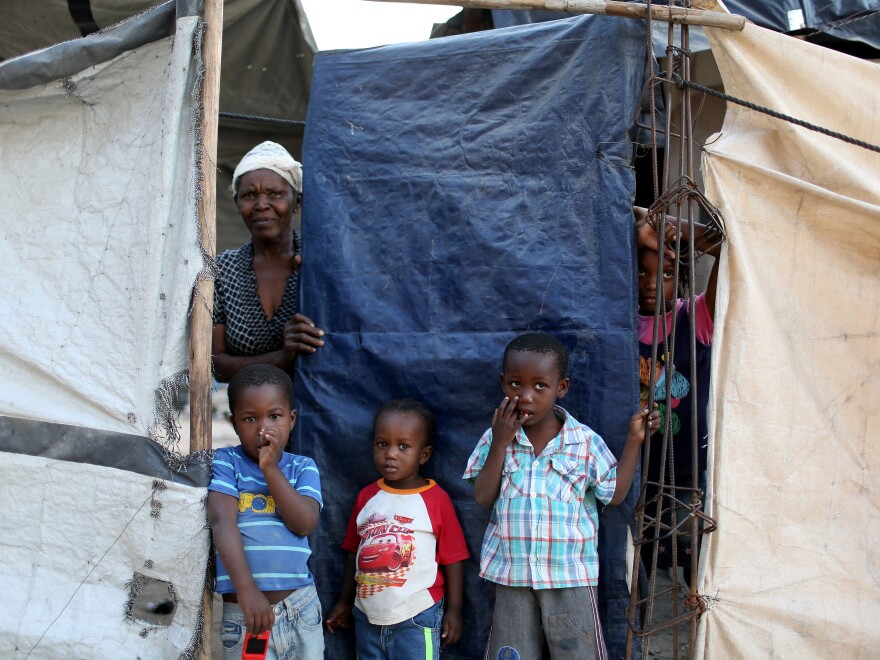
pixel 661 645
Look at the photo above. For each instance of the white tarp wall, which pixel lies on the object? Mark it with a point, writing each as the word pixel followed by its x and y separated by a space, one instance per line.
pixel 98 258
pixel 78 536
pixel 99 245
pixel 267 69
pixel 795 563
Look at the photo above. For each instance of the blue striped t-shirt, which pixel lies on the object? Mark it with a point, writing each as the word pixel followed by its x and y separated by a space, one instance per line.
pixel 277 557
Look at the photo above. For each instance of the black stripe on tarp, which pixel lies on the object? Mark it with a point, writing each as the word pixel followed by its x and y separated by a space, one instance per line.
pixel 123 451
pixel 71 57
pixel 81 13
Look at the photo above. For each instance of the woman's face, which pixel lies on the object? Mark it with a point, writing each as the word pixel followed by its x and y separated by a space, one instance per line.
pixel 267 204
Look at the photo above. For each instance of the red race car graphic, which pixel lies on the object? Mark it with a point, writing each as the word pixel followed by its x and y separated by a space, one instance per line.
pixel 386 552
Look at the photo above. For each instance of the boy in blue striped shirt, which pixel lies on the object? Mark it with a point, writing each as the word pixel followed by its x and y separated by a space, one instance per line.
pixel 262 504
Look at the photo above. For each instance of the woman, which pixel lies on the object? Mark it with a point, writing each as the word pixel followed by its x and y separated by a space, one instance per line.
pixel 255 298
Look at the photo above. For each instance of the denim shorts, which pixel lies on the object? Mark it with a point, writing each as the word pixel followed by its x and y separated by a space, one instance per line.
pixel 414 639
pixel 296 635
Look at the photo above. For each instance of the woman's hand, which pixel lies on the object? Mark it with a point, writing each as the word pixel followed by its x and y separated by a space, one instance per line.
pixel 301 336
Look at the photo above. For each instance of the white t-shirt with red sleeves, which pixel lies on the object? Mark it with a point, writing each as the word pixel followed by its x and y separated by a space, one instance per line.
pixel 401 538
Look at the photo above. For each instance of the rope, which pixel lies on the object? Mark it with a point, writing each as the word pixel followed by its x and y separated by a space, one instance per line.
pixel 265 120
pixel 681 82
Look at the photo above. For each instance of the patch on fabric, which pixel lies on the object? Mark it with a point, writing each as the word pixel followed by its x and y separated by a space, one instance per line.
pixel 508 653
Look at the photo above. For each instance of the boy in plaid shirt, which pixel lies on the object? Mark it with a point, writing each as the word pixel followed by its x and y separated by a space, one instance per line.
pixel 542 472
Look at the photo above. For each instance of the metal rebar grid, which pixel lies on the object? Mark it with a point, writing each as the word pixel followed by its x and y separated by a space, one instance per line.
pixel 667 511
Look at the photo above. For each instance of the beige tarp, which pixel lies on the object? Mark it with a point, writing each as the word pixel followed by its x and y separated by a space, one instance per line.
pixel 794 568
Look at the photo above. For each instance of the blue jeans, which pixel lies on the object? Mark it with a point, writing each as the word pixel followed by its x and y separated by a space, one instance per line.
pixel 414 639
pixel 567 619
pixel 296 635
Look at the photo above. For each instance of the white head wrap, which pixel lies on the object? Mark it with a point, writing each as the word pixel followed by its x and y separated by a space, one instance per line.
pixel 270 156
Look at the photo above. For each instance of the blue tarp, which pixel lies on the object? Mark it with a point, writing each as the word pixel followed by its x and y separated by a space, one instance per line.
pixel 458 192
pixel 503 18
pixel 848 20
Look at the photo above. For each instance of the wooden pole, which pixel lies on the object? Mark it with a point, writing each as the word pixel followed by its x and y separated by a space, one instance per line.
pixel 610 7
pixel 201 323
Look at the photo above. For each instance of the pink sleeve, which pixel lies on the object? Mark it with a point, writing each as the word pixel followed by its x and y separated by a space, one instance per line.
pixel 451 546
pixel 703 320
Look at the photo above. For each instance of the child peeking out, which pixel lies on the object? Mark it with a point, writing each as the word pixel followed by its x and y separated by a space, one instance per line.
pixel 405 548
pixel 542 472
pixel 673 366
pixel 262 503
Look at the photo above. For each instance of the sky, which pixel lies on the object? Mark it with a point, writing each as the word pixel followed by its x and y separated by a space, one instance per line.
pixel 362 23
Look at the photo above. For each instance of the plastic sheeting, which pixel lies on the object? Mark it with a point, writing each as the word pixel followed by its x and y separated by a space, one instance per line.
pixel 459 192
pixel 792 571
pixel 72 538
pixel 100 233
pixel 849 20
pixel 772 14
pixel 660 32
pixel 98 258
pixel 103 448
pixel 268 51
pixel 28 26
pixel 766 13
pixel 266 69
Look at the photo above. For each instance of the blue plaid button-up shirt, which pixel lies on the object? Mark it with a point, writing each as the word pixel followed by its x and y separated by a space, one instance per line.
pixel 544 525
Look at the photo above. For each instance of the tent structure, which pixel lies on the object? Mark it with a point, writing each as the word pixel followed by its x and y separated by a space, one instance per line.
pixel 107 546
pixel 794 497
pixel 791 571
pixel 463 191
pixel 99 279
pixel 852 26
pixel 266 71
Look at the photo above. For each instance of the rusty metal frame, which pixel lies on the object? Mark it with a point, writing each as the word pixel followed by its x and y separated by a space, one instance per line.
pixel 679 202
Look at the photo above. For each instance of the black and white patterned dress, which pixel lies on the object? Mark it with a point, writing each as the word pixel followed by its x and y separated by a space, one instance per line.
pixel 237 305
